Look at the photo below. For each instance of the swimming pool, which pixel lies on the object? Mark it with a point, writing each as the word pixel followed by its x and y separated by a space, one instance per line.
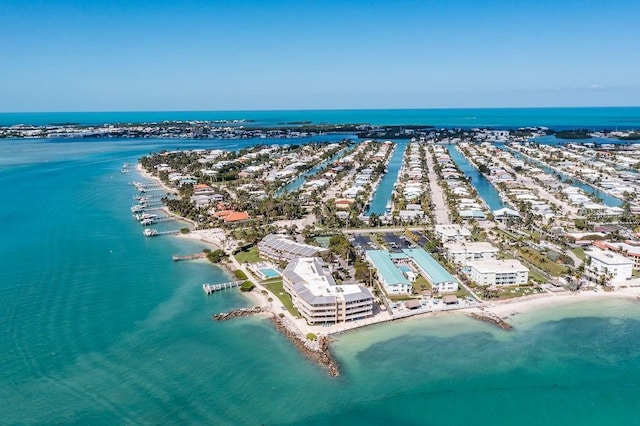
pixel 269 272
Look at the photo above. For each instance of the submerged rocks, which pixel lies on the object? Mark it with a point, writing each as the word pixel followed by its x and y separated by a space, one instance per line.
pixel 316 350
pixel 492 318
pixel 242 312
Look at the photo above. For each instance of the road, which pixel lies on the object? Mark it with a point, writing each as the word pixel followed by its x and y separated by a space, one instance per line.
pixel 441 210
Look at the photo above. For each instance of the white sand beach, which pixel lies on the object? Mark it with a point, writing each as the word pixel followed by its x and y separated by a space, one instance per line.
pixel 517 306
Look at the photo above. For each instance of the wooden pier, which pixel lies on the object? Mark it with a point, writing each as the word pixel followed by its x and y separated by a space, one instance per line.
pixel 212 288
pixel 177 258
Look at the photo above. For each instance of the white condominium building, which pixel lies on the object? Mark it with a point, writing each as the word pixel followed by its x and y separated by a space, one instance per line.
pixel 609 265
pixel 497 272
pixel 462 253
pixel 452 233
pixel 317 296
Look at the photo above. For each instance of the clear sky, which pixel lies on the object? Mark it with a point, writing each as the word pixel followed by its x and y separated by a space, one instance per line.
pixel 83 55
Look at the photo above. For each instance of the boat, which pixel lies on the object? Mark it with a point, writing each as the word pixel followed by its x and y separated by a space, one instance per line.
pixel 145 222
pixel 388 208
pixel 145 216
pixel 137 208
pixel 150 232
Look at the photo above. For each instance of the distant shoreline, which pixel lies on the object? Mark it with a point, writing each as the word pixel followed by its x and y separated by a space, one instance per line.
pixel 560 118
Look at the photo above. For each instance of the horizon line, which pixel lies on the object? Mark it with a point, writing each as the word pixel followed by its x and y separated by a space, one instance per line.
pixel 316 109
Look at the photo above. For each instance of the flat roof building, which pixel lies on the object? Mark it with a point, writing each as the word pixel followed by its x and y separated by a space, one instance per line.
pixel 318 298
pixel 462 253
pixel 503 272
pixel 452 233
pixel 439 278
pixel 395 281
pixel 609 265
pixel 277 247
pixel 389 275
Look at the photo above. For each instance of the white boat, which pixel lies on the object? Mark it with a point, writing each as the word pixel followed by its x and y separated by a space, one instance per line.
pixel 137 208
pixel 149 232
pixel 145 216
pixel 145 222
pixel 387 209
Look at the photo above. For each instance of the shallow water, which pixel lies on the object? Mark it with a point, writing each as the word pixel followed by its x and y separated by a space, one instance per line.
pixel 98 325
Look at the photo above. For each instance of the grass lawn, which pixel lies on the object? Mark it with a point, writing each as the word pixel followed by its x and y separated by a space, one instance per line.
pixel 420 284
pixel 508 234
pixel 579 253
pixel 541 261
pixel 536 276
pixel 399 297
pixel 276 288
pixel 250 256
pixel 511 292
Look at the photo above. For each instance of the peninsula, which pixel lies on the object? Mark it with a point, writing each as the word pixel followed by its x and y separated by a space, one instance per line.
pixel 301 224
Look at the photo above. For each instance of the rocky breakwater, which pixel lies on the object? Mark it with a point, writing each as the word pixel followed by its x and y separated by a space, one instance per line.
pixel 491 318
pixel 242 312
pixel 316 350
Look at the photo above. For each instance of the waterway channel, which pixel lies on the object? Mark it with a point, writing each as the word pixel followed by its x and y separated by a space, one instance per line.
pixel 385 188
pixel 485 189
pixel 607 199
pixel 297 182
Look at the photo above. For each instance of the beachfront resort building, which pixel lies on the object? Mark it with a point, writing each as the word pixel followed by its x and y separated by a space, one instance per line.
pixel 505 272
pixel 608 265
pixel 452 233
pixel 317 296
pixel 462 253
pixel 279 248
pixel 396 271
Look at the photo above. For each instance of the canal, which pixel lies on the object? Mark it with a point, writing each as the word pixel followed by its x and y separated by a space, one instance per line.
pixel 385 188
pixel 297 182
pixel 607 199
pixel 485 189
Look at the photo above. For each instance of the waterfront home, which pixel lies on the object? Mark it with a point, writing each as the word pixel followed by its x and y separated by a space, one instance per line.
pixel 505 214
pixel 318 298
pixel 496 272
pixel 342 203
pixel 409 215
pixel 472 214
pixel 452 233
pixel 609 266
pixel 231 216
pixel 277 247
pixel 352 192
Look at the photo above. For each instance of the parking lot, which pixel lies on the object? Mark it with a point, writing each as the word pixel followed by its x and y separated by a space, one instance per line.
pixel 363 243
pixel 396 242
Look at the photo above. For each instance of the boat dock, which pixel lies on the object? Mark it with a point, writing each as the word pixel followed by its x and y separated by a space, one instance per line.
pixel 212 288
pixel 177 258
pixel 150 232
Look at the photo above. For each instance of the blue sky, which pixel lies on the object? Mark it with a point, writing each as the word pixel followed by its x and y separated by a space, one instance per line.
pixel 115 55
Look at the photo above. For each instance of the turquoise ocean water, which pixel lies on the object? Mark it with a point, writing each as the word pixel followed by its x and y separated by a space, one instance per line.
pixel 99 326
pixel 558 118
